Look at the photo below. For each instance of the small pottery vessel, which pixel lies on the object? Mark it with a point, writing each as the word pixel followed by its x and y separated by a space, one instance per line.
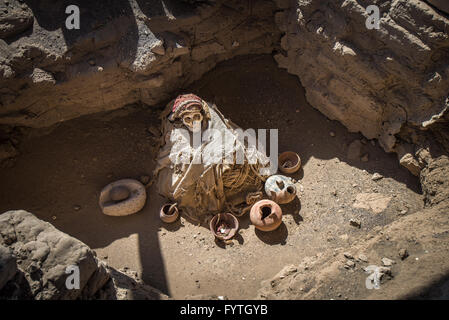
pixel 289 162
pixel 266 215
pixel 280 189
pixel 169 213
pixel 224 226
pixel 122 197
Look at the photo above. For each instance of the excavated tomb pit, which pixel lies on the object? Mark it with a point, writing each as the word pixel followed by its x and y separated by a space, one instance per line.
pixel 61 170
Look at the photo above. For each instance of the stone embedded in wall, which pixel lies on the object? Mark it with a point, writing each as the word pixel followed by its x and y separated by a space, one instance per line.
pixel 408 161
pixel 41 77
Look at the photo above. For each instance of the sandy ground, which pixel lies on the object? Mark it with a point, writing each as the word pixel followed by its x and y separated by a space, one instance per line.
pixel 61 170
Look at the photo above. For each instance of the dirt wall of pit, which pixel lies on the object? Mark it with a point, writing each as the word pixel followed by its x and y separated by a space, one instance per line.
pixel 389 83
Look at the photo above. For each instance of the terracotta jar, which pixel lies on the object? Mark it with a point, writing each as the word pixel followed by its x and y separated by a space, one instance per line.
pixel 169 213
pixel 266 215
pixel 289 162
pixel 224 226
pixel 280 189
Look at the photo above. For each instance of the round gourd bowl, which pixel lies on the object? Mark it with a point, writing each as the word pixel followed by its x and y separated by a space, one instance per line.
pixel 289 162
pixel 224 226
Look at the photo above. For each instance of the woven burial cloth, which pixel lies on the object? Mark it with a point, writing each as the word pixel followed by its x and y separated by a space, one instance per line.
pixel 204 184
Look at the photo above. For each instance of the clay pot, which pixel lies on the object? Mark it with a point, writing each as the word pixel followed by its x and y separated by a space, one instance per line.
pixel 122 197
pixel 266 215
pixel 280 189
pixel 224 226
pixel 169 213
pixel 289 162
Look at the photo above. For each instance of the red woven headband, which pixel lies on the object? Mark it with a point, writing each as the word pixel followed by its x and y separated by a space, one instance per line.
pixel 185 101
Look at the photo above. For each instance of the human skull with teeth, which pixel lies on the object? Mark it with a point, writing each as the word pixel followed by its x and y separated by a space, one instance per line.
pixel 190 109
pixel 192 118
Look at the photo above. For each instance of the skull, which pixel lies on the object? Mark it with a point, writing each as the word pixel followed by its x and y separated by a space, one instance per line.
pixel 192 118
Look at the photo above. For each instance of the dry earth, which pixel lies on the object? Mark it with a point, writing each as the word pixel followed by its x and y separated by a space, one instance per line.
pixel 61 170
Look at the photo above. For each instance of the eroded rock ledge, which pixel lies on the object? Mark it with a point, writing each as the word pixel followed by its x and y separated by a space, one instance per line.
pixel 390 84
pixel 34 256
pixel 125 52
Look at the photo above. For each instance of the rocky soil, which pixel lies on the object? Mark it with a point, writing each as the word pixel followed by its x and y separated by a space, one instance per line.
pixel 347 193
pixel 411 253
pixel 34 256
pixel 94 95
pixel 42 254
